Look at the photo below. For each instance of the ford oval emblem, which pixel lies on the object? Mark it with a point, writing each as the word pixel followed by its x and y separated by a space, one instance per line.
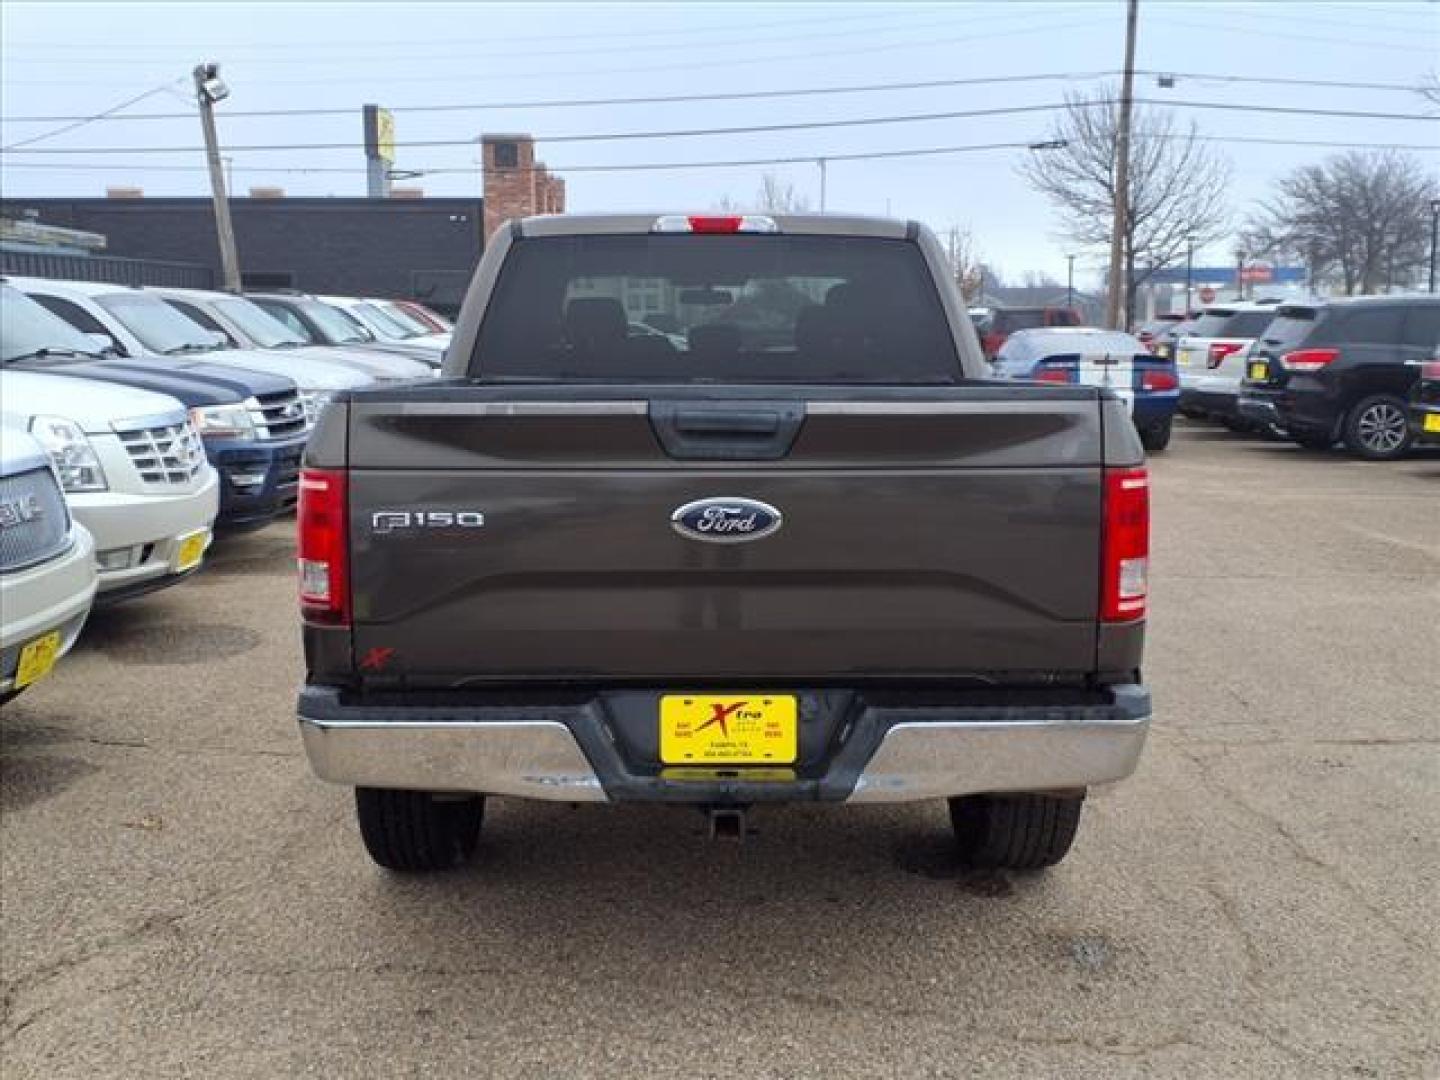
pixel 726 520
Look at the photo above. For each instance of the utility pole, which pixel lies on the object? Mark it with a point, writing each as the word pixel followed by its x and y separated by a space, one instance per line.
pixel 1434 238
pixel 1189 271
pixel 1070 281
pixel 821 163
pixel 209 88
pixel 1120 226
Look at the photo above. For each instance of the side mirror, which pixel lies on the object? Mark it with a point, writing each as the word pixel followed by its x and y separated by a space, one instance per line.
pixel 102 342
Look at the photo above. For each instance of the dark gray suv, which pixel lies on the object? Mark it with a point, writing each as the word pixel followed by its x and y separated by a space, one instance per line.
pixel 1342 370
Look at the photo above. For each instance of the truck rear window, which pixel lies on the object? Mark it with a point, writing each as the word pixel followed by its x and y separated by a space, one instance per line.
pixel 682 309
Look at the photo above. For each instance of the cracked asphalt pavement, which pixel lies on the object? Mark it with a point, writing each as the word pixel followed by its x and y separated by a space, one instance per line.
pixel 180 897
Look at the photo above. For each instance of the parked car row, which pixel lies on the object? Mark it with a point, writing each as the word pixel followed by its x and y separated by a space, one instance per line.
pixel 137 423
pixel 1319 372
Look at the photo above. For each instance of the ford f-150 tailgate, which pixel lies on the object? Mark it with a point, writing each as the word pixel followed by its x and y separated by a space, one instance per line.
pixel 519 534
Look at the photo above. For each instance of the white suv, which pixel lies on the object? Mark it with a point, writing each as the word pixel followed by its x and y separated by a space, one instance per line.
pixel 47 565
pixel 134 473
pixel 1210 360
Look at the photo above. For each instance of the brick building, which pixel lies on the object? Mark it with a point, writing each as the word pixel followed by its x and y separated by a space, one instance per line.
pixel 516 185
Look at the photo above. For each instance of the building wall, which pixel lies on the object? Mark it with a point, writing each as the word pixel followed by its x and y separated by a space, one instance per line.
pixel 424 249
pixel 516 185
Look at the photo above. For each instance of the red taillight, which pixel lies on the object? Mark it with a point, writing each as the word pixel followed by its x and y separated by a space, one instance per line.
pixel 715 223
pixel 1430 369
pixel 724 224
pixel 1052 375
pixel 1308 359
pixel 1159 380
pixel 1221 349
pixel 323 547
pixel 1124 577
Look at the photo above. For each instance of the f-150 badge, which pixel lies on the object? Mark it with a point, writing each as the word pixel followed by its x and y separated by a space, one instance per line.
pixel 731 520
pixel 388 521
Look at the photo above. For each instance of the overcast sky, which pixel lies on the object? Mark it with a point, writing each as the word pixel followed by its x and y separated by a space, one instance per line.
pixel 62 59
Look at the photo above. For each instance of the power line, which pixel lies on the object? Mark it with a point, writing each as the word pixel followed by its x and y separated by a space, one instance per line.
pixel 748 129
pixel 742 95
pixel 310 47
pixel 804 159
pixel 662 99
pixel 687 66
pixel 753 129
pixel 312 61
pixel 81 121
pixel 1271 80
pixel 1290 35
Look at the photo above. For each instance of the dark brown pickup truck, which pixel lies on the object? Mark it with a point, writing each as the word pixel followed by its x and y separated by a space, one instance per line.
pixel 722 510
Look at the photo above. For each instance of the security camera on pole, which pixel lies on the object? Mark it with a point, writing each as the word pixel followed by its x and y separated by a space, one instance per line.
pixel 210 88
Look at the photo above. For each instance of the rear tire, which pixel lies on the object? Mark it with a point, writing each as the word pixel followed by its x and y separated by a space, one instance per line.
pixel 417 832
pixel 1156 437
pixel 1377 428
pixel 1015 832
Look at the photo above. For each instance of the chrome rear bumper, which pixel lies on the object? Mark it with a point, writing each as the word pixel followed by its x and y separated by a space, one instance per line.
pixel 563 754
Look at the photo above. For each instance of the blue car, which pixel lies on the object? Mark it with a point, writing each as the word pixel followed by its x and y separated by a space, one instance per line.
pixel 1149 384
pixel 254 425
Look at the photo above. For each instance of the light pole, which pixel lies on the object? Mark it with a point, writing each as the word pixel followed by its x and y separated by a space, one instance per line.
pixel 1239 273
pixel 1070 282
pixel 1434 238
pixel 210 88
pixel 821 162
pixel 1189 271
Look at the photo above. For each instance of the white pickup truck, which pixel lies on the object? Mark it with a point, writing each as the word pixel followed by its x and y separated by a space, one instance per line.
pixel 133 470
pixel 47 565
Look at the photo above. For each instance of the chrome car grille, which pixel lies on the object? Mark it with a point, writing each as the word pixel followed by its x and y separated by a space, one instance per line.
pixel 34 522
pixel 280 415
pixel 168 454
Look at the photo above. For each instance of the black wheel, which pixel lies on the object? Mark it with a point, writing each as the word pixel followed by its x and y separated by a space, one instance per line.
pixel 10 695
pixel 1377 428
pixel 1156 437
pixel 1313 442
pixel 415 831
pixel 1015 832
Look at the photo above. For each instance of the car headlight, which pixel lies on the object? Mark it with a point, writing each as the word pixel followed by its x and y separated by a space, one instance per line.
pixel 224 421
pixel 314 402
pixel 70 451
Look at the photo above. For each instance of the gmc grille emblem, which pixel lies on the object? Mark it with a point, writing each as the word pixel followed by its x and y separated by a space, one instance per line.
pixel 20 511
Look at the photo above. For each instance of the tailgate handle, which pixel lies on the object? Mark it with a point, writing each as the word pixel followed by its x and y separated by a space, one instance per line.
pixel 752 422
pixel 722 431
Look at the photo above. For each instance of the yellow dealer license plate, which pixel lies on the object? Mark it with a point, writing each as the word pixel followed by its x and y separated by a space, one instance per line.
pixel 191 549
pixel 37 658
pixel 1259 372
pixel 1432 421
pixel 728 729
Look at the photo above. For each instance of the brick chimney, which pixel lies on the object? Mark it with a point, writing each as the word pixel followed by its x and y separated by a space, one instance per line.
pixel 516 185
pixel 267 193
pixel 124 193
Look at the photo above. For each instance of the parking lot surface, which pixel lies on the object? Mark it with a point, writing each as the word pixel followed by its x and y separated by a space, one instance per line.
pixel 181 897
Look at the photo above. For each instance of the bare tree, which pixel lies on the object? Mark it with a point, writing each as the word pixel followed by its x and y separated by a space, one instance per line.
pixel 1177 185
pixel 775 195
pixel 1359 220
pixel 965 263
pixel 1429 89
